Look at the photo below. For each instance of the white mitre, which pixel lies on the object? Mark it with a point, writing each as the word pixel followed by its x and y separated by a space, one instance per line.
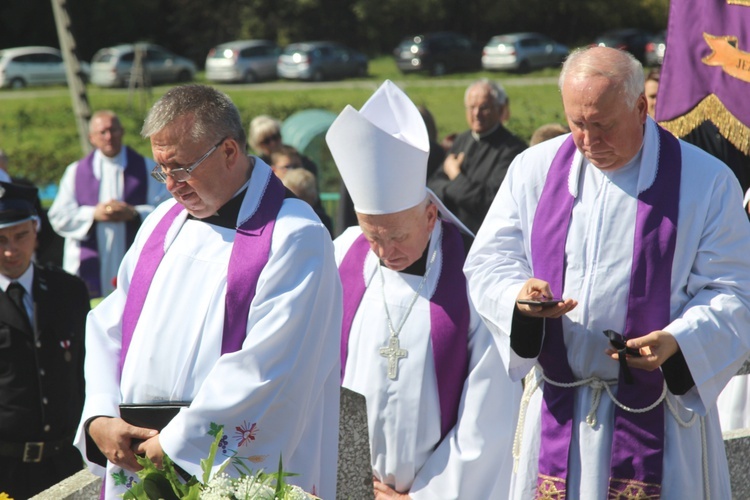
pixel 381 152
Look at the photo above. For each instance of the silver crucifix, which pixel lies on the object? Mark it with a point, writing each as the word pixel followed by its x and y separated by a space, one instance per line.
pixel 393 352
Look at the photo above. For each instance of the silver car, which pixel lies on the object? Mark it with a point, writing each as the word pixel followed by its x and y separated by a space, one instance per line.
pixel 242 61
pixel 22 66
pixel 111 66
pixel 318 61
pixel 522 52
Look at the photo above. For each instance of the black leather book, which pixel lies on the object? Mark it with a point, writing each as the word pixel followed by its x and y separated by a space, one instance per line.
pixel 151 416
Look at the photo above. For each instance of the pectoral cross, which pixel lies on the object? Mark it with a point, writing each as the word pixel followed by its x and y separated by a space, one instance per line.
pixel 393 352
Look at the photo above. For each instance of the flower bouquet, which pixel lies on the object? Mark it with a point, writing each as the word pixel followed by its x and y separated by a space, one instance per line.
pixel 166 483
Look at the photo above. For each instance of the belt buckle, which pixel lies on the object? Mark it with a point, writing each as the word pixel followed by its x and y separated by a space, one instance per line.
pixel 32 452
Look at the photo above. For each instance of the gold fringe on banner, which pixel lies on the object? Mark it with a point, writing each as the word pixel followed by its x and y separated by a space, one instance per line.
pixel 739 2
pixel 711 108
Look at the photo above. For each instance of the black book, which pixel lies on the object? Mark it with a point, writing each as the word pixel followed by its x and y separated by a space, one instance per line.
pixel 151 416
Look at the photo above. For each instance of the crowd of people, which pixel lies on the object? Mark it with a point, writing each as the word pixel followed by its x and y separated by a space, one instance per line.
pixel 544 321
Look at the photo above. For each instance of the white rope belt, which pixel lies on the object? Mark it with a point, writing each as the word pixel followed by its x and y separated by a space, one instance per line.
pixel 532 383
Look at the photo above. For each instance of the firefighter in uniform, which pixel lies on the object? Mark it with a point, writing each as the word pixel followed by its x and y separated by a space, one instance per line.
pixel 42 321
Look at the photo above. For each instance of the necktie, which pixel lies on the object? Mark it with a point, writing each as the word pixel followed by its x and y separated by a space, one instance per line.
pixel 15 292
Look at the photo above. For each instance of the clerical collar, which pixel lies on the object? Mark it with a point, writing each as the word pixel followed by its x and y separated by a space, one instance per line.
pixel 227 215
pixel 419 266
pixel 481 136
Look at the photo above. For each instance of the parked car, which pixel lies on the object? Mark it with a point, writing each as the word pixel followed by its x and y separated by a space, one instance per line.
pixel 633 40
pixel 111 66
pixel 437 53
pixel 22 66
pixel 318 61
pixel 655 49
pixel 242 61
pixel 522 52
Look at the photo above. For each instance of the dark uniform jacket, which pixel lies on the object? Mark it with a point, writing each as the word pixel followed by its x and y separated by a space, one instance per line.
pixel 41 372
pixel 486 161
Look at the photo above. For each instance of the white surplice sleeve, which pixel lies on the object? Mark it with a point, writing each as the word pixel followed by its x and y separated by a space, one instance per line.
pixel 474 460
pixel 711 278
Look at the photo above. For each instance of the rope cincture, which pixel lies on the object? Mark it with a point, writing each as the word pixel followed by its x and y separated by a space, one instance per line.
pixel 533 381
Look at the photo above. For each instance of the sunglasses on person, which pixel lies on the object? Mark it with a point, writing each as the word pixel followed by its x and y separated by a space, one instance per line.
pixel 271 138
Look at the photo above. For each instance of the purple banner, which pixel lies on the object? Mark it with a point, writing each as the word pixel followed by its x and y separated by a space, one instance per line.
pixel 708 52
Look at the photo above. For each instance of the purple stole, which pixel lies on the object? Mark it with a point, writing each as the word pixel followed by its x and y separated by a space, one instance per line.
pixel 449 318
pixel 638 438
pixel 87 193
pixel 249 256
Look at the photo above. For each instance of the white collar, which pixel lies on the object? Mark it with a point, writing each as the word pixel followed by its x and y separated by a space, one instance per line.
pixel 649 163
pixel 26 280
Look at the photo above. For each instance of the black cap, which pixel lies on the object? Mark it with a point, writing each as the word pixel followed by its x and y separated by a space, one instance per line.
pixel 17 203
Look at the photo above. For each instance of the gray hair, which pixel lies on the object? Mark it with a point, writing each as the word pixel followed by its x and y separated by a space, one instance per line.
pixel 215 115
pixel 261 127
pixel 618 66
pixel 495 90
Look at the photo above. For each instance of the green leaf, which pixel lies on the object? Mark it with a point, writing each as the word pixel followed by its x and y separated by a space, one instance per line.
pixel 157 487
pixel 208 463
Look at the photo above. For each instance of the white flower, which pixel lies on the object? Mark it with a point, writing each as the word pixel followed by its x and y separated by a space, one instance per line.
pixel 297 493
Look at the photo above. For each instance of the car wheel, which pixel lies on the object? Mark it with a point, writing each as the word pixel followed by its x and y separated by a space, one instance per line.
pixel 438 69
pixel 183 76
pixel 524 66
pixel 17 83
pixel 317 76
pixel 250 77
pixel 362 71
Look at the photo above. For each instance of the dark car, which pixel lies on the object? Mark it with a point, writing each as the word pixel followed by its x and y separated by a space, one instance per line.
pixel 632 40
pixel 318 61
pixel 655 49
pixel 438 53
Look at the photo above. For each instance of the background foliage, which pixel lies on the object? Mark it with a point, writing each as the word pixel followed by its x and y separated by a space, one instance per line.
pixel 192 27
pixel 40 136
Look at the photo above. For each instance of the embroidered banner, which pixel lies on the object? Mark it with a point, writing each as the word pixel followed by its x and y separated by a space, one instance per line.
pixel 706 72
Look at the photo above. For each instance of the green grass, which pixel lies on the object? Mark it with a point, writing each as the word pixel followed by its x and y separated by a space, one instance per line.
pixel 39 134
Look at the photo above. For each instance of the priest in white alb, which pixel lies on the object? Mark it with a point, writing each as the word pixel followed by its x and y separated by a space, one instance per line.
pixel 441 409
pixel 628 241
pixel 228 304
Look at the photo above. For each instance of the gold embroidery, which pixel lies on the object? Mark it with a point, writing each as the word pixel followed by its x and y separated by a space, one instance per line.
pixel 726 54
pixel 630 489
pixel 746 3
pixel 711 107
pixel 548 488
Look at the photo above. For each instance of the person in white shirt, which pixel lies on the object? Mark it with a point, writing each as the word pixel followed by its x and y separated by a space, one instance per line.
pixel 101 202
pixel 441 410
pixel 634 236
pixel 229 301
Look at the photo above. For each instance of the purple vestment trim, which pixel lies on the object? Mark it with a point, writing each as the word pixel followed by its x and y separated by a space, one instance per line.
pixel 449 318
pixel 250 252
pixel 638 438
pixel 135 191
pixel 252 246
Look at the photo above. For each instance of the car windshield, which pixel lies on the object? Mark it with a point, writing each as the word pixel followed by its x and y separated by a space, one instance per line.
pixel 102 57
pixel 295 49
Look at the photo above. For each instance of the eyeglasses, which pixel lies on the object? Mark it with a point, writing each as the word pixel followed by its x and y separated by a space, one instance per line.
pixel 271 138
pixel 160 172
